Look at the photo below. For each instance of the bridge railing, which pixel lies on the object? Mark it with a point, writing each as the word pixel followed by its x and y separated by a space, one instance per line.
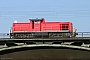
pixel 4 35
pixel 80 34
pixel 83 34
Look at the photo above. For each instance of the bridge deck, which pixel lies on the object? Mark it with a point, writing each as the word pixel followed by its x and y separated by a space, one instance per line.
pixel 80 36
pixel 84 38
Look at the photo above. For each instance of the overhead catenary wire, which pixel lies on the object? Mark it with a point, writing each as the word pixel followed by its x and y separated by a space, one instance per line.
pixel 45 11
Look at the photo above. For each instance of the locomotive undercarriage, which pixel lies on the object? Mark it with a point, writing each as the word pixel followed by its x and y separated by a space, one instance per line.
pixel 41 35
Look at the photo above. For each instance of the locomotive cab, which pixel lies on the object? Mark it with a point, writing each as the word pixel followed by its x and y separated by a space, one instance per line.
pixel 35 24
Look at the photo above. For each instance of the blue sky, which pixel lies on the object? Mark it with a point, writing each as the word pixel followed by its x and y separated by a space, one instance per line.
pixel 75 11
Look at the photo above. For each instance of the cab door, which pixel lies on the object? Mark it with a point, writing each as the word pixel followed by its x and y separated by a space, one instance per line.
pixel 37 25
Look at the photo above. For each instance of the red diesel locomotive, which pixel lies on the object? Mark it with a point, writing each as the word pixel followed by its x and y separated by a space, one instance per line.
pixel 38 28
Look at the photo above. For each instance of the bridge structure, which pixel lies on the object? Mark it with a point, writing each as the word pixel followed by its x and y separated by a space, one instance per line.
pixel 41 48
pixel 81 41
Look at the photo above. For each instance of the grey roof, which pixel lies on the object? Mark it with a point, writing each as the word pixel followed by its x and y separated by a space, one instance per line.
pixel 35 19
